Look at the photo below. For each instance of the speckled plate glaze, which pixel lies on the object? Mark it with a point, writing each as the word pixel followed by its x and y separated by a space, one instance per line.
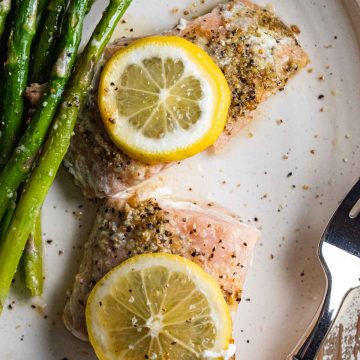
pixel 284 174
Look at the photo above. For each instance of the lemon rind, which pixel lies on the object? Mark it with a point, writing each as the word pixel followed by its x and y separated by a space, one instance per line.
pixel 213 75
pixel 213 293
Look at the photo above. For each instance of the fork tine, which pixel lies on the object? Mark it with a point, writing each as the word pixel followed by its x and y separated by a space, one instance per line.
pixel 343 230
pixel 355 211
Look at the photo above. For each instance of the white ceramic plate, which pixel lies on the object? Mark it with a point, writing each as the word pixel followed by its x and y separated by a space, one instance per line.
pixel 285 284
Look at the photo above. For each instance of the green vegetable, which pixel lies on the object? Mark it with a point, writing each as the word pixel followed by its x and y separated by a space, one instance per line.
pixel 9 24
pixel 20 163
pixel 5 6
pixel 31 261
pixel 58 141
pixel 21 160
pixel 43 56
pixel 91 2
pixel 42 5
pixel 44 49
pixel 6 219
pixel 31 265
pixel 4 37
pixel 16 74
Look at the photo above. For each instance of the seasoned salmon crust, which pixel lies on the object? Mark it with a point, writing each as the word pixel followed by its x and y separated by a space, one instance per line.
pixel 215 240
pixel 255 50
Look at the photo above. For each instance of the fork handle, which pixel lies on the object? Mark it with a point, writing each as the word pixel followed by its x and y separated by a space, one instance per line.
pixel 308 349
pixel 310 346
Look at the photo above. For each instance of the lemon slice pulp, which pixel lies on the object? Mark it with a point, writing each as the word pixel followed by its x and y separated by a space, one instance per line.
pixel 157 306
pixel 163 99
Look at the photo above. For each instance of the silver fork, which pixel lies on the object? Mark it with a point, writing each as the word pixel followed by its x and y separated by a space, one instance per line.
pixel 339 253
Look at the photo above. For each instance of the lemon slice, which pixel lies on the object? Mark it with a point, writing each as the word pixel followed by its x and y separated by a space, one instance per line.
pixel 163 99
pixel 157 306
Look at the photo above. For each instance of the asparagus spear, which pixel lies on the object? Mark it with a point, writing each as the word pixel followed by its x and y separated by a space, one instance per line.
pixel 55 149
pixel 6 219
pixel 31 261
pixel 5 6
pixel 4 37
pixel 91 2
pixel 42 5
pixel 43 53
pixel 19 164
pixel 16 71
pixel 34 283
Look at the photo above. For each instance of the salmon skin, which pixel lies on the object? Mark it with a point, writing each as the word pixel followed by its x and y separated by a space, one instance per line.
pixel 211 237
pixel 257 53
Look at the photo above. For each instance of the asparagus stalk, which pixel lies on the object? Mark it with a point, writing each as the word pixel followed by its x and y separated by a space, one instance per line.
pixel 42 5
pixel 5 6
pixel 91 2
pixel 6 220
pixel 4 37
pixel 55 148
pixel 16 71
pixel 19 164
pixel 43 53
pixel 31 261
pixel 34 282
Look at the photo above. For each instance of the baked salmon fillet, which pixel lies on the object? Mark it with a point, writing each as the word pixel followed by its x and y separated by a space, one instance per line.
pixel 212 238
pixel 255 50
